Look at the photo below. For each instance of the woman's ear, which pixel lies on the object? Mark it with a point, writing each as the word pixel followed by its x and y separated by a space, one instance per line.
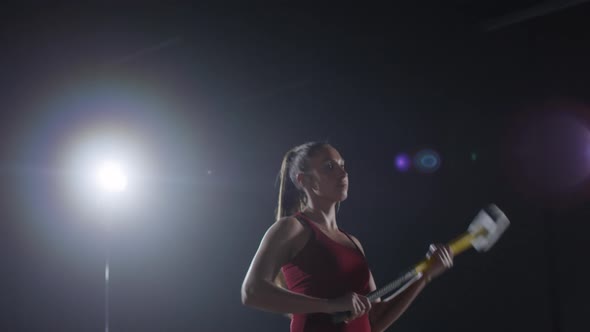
pixel 306 181
pixel 301 180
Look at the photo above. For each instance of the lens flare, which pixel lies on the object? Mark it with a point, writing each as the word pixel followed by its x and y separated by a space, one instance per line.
pixel 427 161
pixel 402 162
pixel 551 153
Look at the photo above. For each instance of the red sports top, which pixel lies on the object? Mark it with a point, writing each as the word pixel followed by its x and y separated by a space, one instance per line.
pixel 325 268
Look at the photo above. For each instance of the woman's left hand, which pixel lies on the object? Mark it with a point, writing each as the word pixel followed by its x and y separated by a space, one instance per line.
pixel 440 258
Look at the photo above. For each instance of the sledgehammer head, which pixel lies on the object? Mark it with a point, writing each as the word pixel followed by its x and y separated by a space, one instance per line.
pixel 493 221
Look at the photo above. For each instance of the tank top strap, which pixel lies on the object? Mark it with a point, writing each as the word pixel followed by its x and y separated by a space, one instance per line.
pixel 305 219
pixel 307 223
pixel 351 240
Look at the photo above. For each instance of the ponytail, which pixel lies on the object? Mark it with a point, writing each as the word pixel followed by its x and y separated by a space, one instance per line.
pixel 291 198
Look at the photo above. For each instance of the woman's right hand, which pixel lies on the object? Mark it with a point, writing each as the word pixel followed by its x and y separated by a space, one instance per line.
pixel 354 303
pixel 440 260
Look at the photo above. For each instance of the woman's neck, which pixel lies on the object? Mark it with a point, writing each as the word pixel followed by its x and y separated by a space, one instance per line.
pixel 325 216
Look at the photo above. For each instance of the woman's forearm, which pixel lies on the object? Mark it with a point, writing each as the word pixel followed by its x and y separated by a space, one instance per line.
pixel 270 297
pixel 383 314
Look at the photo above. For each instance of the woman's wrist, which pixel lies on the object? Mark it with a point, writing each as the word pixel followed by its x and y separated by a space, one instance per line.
pixel 326 305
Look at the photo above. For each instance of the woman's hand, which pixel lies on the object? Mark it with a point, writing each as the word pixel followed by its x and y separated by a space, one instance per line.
pixel 354 303
pixel 441 259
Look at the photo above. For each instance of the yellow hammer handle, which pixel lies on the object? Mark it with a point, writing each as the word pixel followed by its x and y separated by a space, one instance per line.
pixel 458 245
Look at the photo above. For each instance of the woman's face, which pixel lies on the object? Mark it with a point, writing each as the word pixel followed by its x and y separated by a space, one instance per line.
pixel 327 176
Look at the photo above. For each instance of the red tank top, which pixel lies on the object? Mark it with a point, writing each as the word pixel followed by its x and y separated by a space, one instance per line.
pixel 325 268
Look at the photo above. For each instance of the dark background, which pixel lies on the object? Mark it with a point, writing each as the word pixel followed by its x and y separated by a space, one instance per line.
pixel 215 95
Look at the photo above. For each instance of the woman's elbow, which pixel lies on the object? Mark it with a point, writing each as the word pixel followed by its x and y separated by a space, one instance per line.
pixel 248 293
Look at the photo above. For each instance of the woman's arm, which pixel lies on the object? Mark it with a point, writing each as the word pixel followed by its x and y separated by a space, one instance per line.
pixel 385 313
pixel 259 289
pixel 280 243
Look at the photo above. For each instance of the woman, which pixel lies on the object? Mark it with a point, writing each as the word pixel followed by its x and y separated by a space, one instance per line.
pixel 307 267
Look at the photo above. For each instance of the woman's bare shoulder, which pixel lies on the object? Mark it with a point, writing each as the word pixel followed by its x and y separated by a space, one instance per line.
pixel 291 233
pixel 288 227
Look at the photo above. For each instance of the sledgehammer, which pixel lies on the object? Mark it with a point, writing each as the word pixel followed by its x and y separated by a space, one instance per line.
pixel 483 232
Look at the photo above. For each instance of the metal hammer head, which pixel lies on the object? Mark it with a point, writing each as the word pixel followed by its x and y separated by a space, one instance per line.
pixel 494 221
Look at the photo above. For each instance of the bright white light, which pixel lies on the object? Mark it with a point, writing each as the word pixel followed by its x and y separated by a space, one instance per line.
pixel 111 177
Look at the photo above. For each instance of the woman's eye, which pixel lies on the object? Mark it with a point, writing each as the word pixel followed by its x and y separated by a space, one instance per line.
pixel 332 165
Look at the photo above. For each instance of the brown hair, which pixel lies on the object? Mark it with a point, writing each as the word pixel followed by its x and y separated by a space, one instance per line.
pixel 292 199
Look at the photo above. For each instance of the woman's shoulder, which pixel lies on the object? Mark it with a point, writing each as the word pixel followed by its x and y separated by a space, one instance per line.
pixel 290 232
pixel 289 225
